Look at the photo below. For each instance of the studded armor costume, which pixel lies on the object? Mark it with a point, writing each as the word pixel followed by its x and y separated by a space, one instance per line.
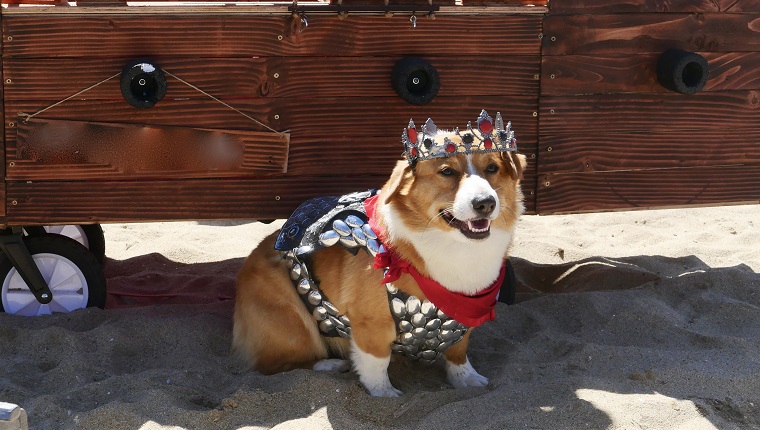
pixel 423 331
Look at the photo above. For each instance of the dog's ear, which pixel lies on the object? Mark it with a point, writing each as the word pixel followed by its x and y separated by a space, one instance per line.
pixel 394 184
pixel 516 163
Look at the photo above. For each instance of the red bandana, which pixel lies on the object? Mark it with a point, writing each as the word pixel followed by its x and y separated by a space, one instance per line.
pixel 471 311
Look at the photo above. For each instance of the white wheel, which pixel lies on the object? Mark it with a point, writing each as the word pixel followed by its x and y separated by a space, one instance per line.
pixel 89 235
pixel 64 279
pixel 72 231
pixel 71 272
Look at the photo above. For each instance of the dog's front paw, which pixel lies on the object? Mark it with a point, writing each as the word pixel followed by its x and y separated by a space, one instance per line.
pixel 464 375
pixel 384 391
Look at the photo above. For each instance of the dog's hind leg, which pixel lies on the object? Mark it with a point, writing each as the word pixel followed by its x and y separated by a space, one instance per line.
pixel 332 365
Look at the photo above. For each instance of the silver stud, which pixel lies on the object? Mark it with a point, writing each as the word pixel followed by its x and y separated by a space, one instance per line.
pixel 359 236
pixel 319 314
pixel 373 247
pixel 354 221
pixel 413 305
pixel 326 326
pixel 341 228
pixel 391 289
pixel 444 346
pixel 405 326
pixel 431 343
pixel 329 238
pixel 442 315
pixel 295 272
pixel 450 325
pixel 428 309
pixel 348 242
pixel 343 333
pixel 315 298
pixel 433 324
pixel 419 333
pixel 398 349
pixel 419 320
pixel 433 333
pixel 304 286
pixel 331 309
pixel 344 319
pixel 348 331
pixel 428 355
pixel 369 232
pixel 336 322
pixel 447 335
pixel 406 339
pixel 398 308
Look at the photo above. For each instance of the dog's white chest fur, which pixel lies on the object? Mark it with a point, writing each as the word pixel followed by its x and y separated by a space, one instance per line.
pixel 462 267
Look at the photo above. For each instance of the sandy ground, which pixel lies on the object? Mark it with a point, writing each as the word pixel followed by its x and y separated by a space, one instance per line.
pixel 630 320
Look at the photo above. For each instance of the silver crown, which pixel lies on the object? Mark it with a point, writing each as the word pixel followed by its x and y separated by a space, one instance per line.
pixel 489 136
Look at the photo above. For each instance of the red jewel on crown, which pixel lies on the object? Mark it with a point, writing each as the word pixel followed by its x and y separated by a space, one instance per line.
pixel 490 136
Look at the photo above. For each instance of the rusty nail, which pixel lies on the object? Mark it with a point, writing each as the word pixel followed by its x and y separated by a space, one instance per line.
pixel 277 198
pixel 279 37
pixel 12 164
pixel 532 155
pixel 11 124
pixel 10 38
pixel 14 203
pixel 536 76
pixel 277 117
pixel 553 39
pixel 540 35
pixel 549 149
pixel 547 183
pixel 535 113
pixel 8 81
pixel 276 75
pixel 551 111
pixel 551 76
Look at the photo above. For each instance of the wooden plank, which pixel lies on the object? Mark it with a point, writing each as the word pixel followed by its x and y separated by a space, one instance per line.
pixel 595 7
pixel 374 155
pixel 72 150
pixel 651 33
pixel 640 113
pixel 235 78
pixel 593 152
pixel 645 189
pixel 40 203
pixel 598 74
pixel 326 118
pixel 117 36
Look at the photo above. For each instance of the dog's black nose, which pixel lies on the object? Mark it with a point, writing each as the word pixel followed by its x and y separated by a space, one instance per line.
pixel 484 205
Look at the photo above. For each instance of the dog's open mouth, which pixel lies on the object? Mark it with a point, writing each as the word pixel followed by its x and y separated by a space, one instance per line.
pixel 472 229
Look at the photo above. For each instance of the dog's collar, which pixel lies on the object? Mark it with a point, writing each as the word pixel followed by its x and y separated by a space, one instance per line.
pixel 471 311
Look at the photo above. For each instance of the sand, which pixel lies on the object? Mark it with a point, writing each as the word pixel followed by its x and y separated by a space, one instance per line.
pixel 636 320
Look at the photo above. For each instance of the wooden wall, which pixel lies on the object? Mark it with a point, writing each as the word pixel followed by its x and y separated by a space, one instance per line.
pixel 610 137
pixel 327 85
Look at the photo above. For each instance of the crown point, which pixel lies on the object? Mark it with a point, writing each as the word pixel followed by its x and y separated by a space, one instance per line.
pixel 430 127
pixel 411 132
pixel 499 122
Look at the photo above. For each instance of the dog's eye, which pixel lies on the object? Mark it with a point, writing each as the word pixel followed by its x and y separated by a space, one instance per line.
pixel 447 171
pixel 492 168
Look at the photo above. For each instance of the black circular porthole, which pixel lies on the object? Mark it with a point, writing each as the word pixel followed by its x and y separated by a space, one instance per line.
pixel 415 80
pixel 143 84
pixel 682 72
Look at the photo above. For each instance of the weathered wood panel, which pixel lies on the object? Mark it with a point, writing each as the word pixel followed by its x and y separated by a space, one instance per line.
pixel 645 189
pixel 35 203
pixel 639 113
pixel 302 77
pixel 118 36
pixel 599 74
pixel 325 118
pixel 648 150
pixel 651 33
pixel 71 150
pixel 592 7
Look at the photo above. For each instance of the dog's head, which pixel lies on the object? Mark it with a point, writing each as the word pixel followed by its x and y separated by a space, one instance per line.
pixel 465 194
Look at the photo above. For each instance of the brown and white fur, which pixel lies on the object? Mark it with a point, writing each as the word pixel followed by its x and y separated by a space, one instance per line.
pixel 426 212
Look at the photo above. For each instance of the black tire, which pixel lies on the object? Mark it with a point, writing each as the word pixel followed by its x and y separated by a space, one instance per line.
pixel 143 84
pixel 508 291
pixel 69 252
pixel 682 72
pixel 91 233
pixel 415 80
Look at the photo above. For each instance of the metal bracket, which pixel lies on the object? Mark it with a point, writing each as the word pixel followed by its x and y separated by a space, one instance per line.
pixel 13 246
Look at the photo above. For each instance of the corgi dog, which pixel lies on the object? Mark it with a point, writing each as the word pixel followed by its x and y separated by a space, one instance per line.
pixel 436 237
